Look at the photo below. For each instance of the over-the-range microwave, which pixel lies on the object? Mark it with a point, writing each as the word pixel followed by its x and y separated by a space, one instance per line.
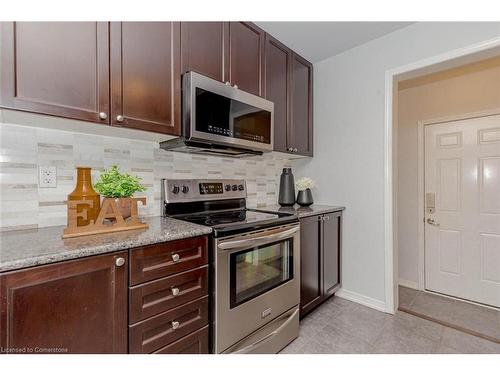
pixel 218 118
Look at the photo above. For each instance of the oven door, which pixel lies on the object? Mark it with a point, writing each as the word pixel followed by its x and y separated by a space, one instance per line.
pixel 257 280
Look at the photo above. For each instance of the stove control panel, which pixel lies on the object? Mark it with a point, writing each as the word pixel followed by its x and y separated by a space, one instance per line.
pixel 192 190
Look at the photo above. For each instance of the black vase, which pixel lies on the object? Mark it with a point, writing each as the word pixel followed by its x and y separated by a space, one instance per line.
pixel 287 188
pixel 305 197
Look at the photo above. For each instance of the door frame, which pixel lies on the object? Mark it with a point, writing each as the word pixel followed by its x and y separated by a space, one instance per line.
pixel 447 60
pixel 421 179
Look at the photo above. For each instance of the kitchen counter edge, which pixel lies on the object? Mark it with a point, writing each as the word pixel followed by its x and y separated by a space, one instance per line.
pixel 34 247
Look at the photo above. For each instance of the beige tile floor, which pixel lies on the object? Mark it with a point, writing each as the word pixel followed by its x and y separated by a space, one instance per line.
pixel 476 318
pixel 341 326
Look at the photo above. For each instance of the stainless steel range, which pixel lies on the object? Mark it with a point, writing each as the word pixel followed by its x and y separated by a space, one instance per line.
pixel 255 264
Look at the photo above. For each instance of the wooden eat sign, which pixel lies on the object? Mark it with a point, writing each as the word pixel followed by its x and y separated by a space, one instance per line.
pixel 110 218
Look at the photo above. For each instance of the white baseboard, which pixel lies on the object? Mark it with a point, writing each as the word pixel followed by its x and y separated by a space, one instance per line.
pixel 361 299
pixel 408 284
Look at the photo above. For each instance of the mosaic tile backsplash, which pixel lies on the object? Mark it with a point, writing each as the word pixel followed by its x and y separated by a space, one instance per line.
pixel 24 149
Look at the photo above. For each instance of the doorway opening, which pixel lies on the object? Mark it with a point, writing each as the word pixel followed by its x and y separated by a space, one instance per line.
pixel 444 172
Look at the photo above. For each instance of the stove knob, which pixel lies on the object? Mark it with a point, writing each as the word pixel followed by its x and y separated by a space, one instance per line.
pixel 185 189
pixel 227 187
pixel 235 187
pixel 175 189
pixel 241 187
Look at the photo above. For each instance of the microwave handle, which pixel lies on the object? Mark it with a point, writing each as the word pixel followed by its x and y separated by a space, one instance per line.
pixel 249 348
pixel 252 242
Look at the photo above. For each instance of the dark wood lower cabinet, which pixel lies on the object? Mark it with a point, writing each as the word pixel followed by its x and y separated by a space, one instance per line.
pixel 320 245
pixel 76 306
pixel 81 305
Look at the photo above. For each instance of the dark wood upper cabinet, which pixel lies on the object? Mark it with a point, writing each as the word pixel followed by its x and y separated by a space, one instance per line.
pixel 310 264
pixel 56 68
pixel 277 88
pixel 301 126
pixel 246 57
pixel 79 306
pixel 146 76
pixel 204 48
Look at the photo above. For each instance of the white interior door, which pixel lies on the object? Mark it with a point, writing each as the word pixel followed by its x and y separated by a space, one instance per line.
pixel 462 232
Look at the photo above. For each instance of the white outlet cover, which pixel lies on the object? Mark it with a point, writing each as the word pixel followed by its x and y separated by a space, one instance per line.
pixel 47 177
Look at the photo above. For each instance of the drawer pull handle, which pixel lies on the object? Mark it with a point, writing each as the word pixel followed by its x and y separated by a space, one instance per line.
pixel 175 291
pixel 175 324
pixel 119 262
pixel 175 257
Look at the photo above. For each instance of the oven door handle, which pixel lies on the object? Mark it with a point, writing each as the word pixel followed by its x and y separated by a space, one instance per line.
pixel 249 348
pixel 256 241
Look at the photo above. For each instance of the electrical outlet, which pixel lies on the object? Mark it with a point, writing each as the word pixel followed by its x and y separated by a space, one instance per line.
pixel 47 177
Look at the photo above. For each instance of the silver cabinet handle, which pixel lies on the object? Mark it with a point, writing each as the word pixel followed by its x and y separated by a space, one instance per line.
pixel 175 291
pixel 295 149
pixel 119 118
pixel 103 115
pixel 235 86
pixel 119 261
pixel 432 222
pixel 175 324
pixel 227 83
pixel 175 257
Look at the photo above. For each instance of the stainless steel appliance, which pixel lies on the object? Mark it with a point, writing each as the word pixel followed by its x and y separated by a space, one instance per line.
pixel 218 118
pixel 255 264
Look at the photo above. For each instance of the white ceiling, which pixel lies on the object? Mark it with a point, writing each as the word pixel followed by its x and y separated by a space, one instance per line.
pixel 317 41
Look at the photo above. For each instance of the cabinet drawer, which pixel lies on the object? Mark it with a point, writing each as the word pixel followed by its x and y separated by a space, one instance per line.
pixel 158 296
pixel 155 261
pixel 158 331
pixel 194 343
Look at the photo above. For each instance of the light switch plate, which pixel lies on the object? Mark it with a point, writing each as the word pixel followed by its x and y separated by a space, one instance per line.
pixel 47 177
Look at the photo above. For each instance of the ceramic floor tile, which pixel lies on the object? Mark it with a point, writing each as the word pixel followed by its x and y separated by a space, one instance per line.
pixel 390 342
pixel 341 342
pixel 435 306
pixel 465 343
pixel 406 296
pixel 477 318
pixel 403 323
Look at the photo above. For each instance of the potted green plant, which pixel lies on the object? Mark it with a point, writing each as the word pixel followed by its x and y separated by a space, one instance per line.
pixel 113 184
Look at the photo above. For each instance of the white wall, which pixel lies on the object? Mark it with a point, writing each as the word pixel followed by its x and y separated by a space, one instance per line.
pixel 349 138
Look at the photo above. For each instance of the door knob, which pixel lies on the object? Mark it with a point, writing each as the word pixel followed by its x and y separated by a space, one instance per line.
pixel 103 115
pixel 119 262
pixel 175 257
pixel 432 222
pixel 119 118
pixel 175 291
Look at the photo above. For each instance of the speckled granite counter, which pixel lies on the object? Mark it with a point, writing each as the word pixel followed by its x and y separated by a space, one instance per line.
pixel 312 210
pixel 26 248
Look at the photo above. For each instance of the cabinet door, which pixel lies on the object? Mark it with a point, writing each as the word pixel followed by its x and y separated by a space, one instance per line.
pixel 310 257
pixel 331 232
pixel 277 84
pixel 301 127
pixel 203 45
pixel 77 306
pixel 246 52
pixel 145 76
pixel 56 68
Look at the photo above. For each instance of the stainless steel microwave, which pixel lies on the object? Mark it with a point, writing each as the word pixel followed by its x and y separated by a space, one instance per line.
pixel 218 118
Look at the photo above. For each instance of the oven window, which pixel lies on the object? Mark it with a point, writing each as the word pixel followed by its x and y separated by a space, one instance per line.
pixel 216 114
pixel 258 270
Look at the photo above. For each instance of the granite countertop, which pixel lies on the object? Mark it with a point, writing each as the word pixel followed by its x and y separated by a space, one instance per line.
pixel 315 209
pixel 26 248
